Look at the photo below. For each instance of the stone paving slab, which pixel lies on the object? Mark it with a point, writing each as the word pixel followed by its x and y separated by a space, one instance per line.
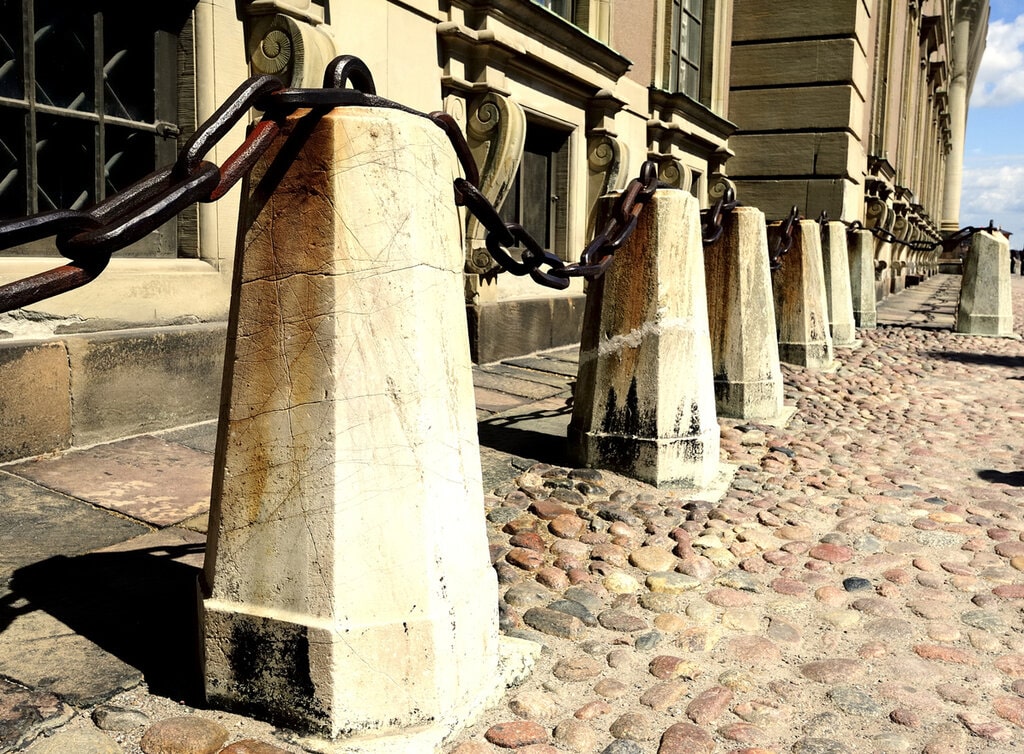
pixel 36 523
pixel 546 378
pixel 541 364
pixel 147 478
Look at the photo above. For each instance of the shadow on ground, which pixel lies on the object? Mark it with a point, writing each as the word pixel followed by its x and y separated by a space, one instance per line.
pixel 538 435
pixel 138 606
pixel 1012 478
pixel 981 359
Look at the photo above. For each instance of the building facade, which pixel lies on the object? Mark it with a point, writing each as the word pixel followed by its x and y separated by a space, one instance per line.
pixel 836 107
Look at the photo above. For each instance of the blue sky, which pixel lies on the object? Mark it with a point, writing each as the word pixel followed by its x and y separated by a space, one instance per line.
pixel 993 184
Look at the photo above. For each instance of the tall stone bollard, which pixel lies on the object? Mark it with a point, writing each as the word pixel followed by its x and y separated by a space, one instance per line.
pixel 346 590
pixel 861 245
pixel 741 317
pixel 836 262
pixel 985 299
pixel 801 312
pixel 645 400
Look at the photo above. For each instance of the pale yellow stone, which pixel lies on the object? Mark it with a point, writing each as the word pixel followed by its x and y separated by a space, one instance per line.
pixel 671 583
pixel 707 541
pixel 1018 562
pixel 747 621
pixel 669 623
pixel 720 557
pixel 944 517
pixel 618 582
pixel 702 612
pixel 843 618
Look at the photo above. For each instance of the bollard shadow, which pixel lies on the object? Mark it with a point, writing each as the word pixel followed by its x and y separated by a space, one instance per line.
pixel 1010 478
pixel 538 435
pixel 980 359
pixel 138 606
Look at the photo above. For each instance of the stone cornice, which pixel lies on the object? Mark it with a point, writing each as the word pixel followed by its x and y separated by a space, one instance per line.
pixel 554 31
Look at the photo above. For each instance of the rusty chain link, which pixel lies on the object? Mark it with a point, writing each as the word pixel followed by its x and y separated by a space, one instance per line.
pixel 784 240
pixel 949 242
pixel 711 219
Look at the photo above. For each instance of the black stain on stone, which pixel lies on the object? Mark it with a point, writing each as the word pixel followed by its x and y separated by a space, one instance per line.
pixel 271 676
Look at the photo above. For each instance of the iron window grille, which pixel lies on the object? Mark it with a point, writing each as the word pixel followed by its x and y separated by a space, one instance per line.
pixel 88 105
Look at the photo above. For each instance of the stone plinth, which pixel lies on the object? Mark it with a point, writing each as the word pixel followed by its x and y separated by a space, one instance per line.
pixel 347 589
pixel 645 400
pixel 985 305
pixel 744 348
pixel 836 262
pixel 861 247
pixel 801 311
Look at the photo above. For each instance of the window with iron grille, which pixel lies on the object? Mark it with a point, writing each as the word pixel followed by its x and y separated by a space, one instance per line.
pixel 537 198
pixel 685 47
pixel 88 105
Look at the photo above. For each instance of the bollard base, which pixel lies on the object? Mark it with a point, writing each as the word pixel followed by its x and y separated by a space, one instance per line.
pixel 760 399
pixel 684 462
pixel 812 355
pixel 516 661
pixel 280 670
pixel 844 335
pixel 996 326
pixel 865 320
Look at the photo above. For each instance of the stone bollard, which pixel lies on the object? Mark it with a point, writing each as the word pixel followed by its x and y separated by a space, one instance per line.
pixel 645 399
pixel 744 346
pixel 801 312
pixel 861 246
pixel 346 588
pixel 985 306
pixel 838 295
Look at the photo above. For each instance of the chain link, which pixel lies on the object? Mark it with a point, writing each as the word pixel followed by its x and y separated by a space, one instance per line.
pixel 784 240
pixel 711 219
pixel 949 242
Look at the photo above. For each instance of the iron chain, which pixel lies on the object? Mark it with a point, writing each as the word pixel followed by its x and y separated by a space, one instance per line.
pixel 711 219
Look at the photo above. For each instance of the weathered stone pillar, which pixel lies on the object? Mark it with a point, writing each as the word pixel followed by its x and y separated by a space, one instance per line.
pixel 744 348
pixel 346 588
pixel 861 246
pixel 645 400
pixel 985 305
pixel 801 312
pixel 836 262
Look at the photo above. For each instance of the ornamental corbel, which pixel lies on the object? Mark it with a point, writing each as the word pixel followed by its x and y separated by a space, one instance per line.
pixel 496 133
pixel 287 39
pixel 607 160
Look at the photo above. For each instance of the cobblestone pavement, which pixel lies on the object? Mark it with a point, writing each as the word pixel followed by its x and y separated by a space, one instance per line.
pixel 857 588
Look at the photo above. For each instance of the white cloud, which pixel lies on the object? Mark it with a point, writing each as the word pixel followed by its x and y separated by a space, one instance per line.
pixel 1000 79
pixel 993 189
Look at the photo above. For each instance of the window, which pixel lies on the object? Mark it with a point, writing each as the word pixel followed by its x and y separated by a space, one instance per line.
pixel 685 47
pixel 88 103
pixel 537 198
pixel 564 8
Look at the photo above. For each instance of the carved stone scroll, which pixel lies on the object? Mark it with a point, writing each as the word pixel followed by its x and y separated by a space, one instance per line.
pixel 496 132
pixel 290 48
pixel 607 160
